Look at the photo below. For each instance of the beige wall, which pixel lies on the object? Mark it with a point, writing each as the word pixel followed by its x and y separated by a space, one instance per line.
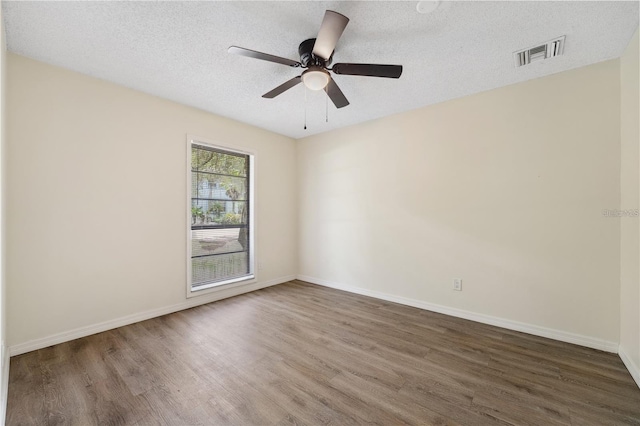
pixel 4 364
pixel 504 189
pixel 97 213
pixel 629 229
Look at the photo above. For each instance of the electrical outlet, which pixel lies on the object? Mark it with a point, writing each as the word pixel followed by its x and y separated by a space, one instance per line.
pixel 457 284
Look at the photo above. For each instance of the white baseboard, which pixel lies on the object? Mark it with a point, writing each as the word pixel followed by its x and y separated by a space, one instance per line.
pixel 77 333
pixel 631 366
pixel 563 336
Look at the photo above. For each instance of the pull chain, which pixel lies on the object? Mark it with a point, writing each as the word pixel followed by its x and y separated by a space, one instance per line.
pixel 326 107
pixel 305 108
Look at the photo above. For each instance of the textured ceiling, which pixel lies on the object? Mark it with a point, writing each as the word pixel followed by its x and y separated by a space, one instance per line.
pixel 178 50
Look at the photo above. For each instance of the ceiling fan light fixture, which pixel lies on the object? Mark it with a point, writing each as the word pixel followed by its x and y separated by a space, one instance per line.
pixel 315 78
pixel 315 55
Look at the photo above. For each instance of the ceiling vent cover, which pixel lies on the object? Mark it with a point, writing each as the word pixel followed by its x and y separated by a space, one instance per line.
pixel 548 50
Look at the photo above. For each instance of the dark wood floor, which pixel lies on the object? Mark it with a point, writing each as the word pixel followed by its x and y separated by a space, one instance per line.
pixel 302 354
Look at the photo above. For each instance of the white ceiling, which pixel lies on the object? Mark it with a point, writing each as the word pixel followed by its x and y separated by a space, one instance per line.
pixel 178 50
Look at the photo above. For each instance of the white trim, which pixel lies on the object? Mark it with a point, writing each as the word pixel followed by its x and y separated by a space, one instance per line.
pixel 631 366
pixel 234 282
pixel 563 336
pixel 189 218
pixel 77 333
pixel 4 387
pixel 252 277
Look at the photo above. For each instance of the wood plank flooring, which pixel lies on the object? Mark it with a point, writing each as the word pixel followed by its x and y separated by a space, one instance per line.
pixel 299 354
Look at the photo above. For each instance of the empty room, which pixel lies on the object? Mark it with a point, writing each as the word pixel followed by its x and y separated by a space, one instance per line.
pixel 309 212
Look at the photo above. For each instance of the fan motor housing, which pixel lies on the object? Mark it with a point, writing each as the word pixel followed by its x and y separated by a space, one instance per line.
pixel 307 58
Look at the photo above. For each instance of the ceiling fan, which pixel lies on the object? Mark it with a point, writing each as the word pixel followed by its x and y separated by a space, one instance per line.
pixel 316 55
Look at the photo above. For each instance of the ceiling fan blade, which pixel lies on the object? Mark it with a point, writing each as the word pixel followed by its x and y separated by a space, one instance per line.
pixel 331 29
pixel 335 94
pixel 283 87
pixel 369 70
pixel 264 56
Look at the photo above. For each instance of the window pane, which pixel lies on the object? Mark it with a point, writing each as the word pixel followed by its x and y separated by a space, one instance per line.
pixel 218 212
pixel 216 186
pixel 209 269
pixel 213 161
pixel 219 216
pixel 206 242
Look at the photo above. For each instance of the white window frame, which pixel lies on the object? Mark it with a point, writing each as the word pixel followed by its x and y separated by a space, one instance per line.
pixel 234 282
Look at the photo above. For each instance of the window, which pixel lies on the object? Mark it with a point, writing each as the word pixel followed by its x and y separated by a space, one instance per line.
pixel 220 234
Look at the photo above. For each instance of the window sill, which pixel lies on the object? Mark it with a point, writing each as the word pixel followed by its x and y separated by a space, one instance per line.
pixel 220 286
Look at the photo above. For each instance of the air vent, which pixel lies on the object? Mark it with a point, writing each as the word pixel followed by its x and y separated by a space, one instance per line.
pixel 548 50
